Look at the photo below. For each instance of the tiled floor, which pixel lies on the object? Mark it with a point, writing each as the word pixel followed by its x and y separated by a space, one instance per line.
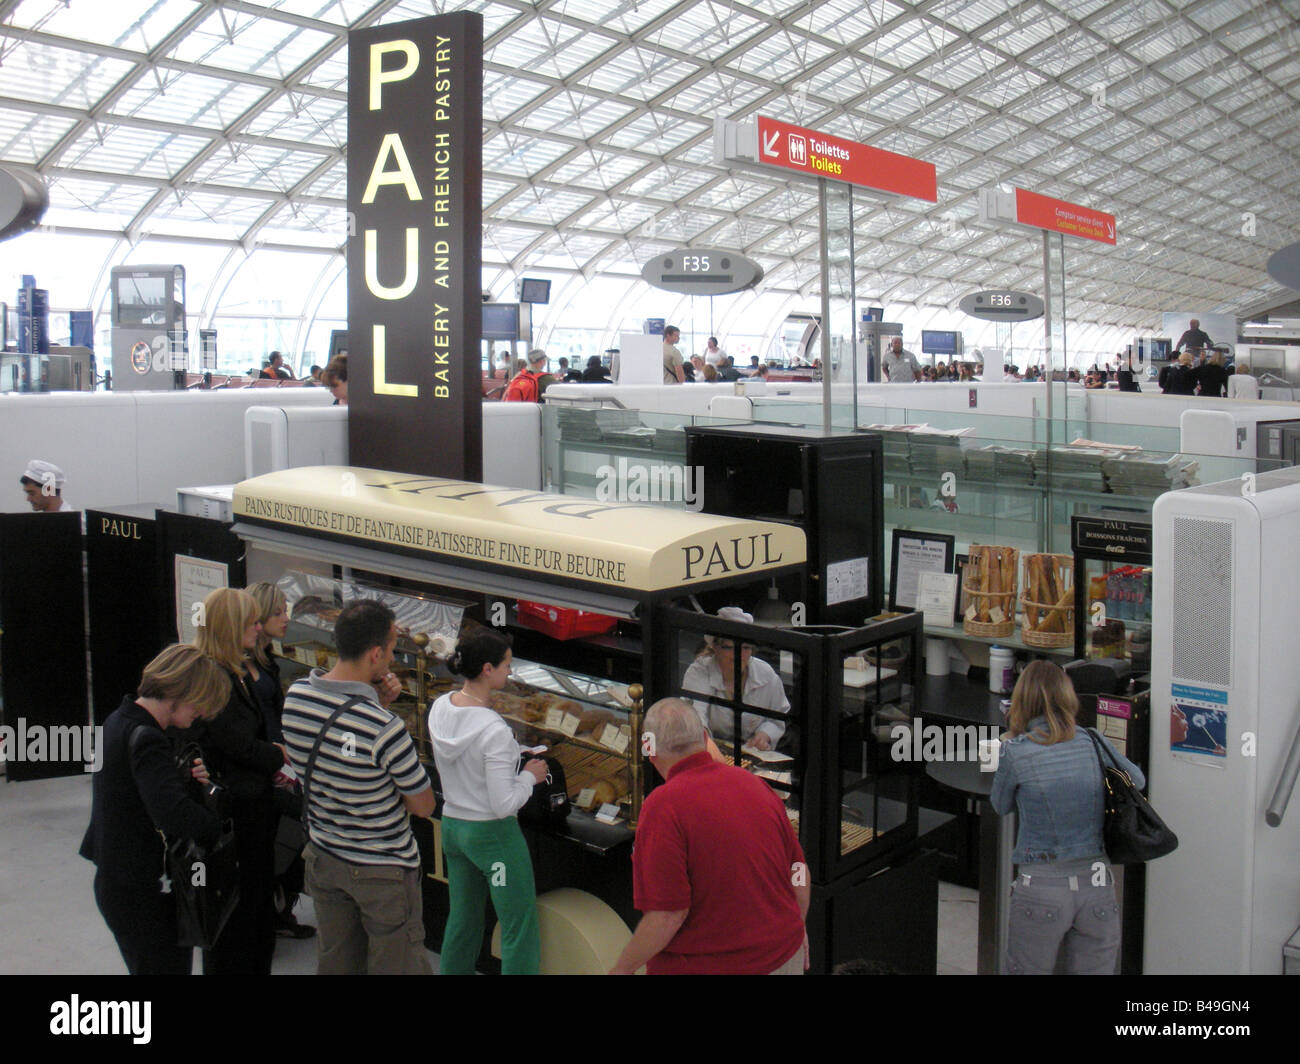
pixel 52 927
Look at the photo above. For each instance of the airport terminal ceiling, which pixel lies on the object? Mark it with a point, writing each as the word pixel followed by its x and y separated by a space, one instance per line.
pixel 213 134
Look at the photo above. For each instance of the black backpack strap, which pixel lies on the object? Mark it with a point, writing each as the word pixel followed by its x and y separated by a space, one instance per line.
pixel 311 759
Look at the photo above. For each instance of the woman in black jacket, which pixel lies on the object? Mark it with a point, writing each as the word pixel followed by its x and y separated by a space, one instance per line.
pixel 139 792
pixel 244 760
pixel 264 671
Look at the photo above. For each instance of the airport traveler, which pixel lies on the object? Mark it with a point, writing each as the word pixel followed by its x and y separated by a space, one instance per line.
pixel 315 372
pixel 1242 384
pixel 139 792
pixel 673 372
pixel 243 760
pixel 697 364
pixel 335 378
pixel 362 785
pixel 42 484
pixel 1195 336
pixel 717 871
pixel 900 365
pixel 264 674
pixel 710 374
pixel 727 370
pixel 712 673
pixel 531 382
pixel 1180 378
pixel 275 369
pixel 713 354
pixel 1048 773
pixel 595 373
pixel 483 789
pixel 1212 377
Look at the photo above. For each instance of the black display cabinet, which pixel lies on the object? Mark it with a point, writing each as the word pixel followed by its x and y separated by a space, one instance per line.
pixel 122 570
pixel 828 485
pixel 853 803
pixel 43 645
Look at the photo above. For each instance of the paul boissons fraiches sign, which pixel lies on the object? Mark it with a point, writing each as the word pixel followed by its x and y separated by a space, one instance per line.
pixel 415 110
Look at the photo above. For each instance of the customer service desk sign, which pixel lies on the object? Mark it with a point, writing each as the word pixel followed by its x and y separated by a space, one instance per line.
pixel 621 546
pixel 415 147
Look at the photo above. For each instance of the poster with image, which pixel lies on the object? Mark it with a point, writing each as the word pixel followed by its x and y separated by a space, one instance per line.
pixel 1198 725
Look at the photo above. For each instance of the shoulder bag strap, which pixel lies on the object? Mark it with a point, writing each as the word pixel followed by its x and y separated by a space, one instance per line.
pixel 311 757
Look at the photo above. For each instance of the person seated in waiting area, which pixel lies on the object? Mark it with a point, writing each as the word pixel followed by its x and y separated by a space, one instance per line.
pixel 531 381
pixel 727 369
pixel 710 374
pixel 595 373
pixel 713 673
pixel 275 369
pixel 316 371
pixel 697 364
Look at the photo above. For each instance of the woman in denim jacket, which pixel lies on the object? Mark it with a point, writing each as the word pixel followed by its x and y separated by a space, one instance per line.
pixel 1048 772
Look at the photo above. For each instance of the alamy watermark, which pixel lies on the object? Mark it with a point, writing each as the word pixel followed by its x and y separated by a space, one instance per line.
pixel 637 482
pixel 59 744
pixel 951 742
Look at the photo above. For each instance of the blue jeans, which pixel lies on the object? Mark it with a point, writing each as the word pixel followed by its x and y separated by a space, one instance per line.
pixel 1049 911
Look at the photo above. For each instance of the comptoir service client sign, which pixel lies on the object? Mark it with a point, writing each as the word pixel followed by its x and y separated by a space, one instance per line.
pixel 415 107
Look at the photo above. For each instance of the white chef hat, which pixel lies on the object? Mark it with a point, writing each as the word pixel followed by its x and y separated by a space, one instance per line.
pixel 730 613
pixel 43 472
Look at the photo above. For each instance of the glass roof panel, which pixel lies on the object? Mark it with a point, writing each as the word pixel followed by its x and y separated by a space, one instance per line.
pixel 62 76
pixel 188 99
pixel 135 24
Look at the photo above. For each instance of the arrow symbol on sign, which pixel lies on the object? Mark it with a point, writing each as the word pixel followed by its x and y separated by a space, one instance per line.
pixel 768 140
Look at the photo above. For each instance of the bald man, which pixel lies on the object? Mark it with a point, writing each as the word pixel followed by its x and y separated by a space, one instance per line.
pixel 1195 336
pixel 717 871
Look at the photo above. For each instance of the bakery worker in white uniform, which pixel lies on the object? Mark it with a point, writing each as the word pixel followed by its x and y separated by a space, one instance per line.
pixel 42 483
pixel 713 673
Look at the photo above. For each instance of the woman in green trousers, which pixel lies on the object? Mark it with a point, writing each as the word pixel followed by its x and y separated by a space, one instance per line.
pixel 483 788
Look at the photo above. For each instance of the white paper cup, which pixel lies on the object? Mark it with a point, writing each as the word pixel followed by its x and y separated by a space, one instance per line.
pixel 936 657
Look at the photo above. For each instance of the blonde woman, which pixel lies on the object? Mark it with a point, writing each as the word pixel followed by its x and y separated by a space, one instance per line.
pixel 244 761
pixel 264 674
pixel 713 672
pixel 138 792
pixel 1048 772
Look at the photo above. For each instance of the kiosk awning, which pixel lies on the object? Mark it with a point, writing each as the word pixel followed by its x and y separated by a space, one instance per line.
pixel 629 547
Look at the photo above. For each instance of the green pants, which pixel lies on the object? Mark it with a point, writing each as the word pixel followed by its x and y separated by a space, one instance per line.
pixel 489 857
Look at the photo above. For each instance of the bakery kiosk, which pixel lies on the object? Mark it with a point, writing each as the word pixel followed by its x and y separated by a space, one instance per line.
pixel 601 601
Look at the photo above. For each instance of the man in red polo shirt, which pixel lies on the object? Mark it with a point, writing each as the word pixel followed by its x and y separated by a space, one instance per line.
pixel 717 871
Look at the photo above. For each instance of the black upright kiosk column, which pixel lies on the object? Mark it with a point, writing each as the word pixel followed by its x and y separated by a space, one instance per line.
pixel 126 600
pixel 42 646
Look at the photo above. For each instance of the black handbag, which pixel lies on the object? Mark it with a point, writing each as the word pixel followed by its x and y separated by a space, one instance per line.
pixel 203 879
pixel 548 806
pixel 1132 830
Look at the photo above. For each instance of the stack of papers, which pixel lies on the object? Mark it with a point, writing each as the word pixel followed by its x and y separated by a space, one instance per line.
pixel 1147 476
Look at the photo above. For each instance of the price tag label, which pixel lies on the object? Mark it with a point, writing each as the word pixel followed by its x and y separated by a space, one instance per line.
pixel 996 615
pixel 554 717
pixel 608 813
pixel 585 797
pixel 971 612
pixel 569 724
pixel 615 737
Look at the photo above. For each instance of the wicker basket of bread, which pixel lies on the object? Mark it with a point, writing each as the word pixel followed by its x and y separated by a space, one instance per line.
pixel 1047 601
pixel 989 591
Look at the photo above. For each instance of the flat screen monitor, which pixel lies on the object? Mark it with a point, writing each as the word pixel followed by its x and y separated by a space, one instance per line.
pixel 934 342
pixel 500 321
pixel 534 290
pixel 338 342
pixel 1154 348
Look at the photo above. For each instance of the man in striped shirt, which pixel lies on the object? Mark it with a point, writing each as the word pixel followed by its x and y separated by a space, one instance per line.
pixel 363 867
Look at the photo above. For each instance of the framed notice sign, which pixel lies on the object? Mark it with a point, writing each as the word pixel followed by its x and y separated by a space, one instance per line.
pixel 915 553
pixel 195 579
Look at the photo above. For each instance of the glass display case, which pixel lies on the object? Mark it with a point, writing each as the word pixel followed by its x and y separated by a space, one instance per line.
pixel 822 715
pixel 1112 587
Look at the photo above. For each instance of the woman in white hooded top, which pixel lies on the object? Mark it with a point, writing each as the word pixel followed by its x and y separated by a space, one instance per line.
pixel 483 788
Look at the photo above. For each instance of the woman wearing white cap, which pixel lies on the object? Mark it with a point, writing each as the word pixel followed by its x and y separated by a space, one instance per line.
pixel 42 483
pixel 713 673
